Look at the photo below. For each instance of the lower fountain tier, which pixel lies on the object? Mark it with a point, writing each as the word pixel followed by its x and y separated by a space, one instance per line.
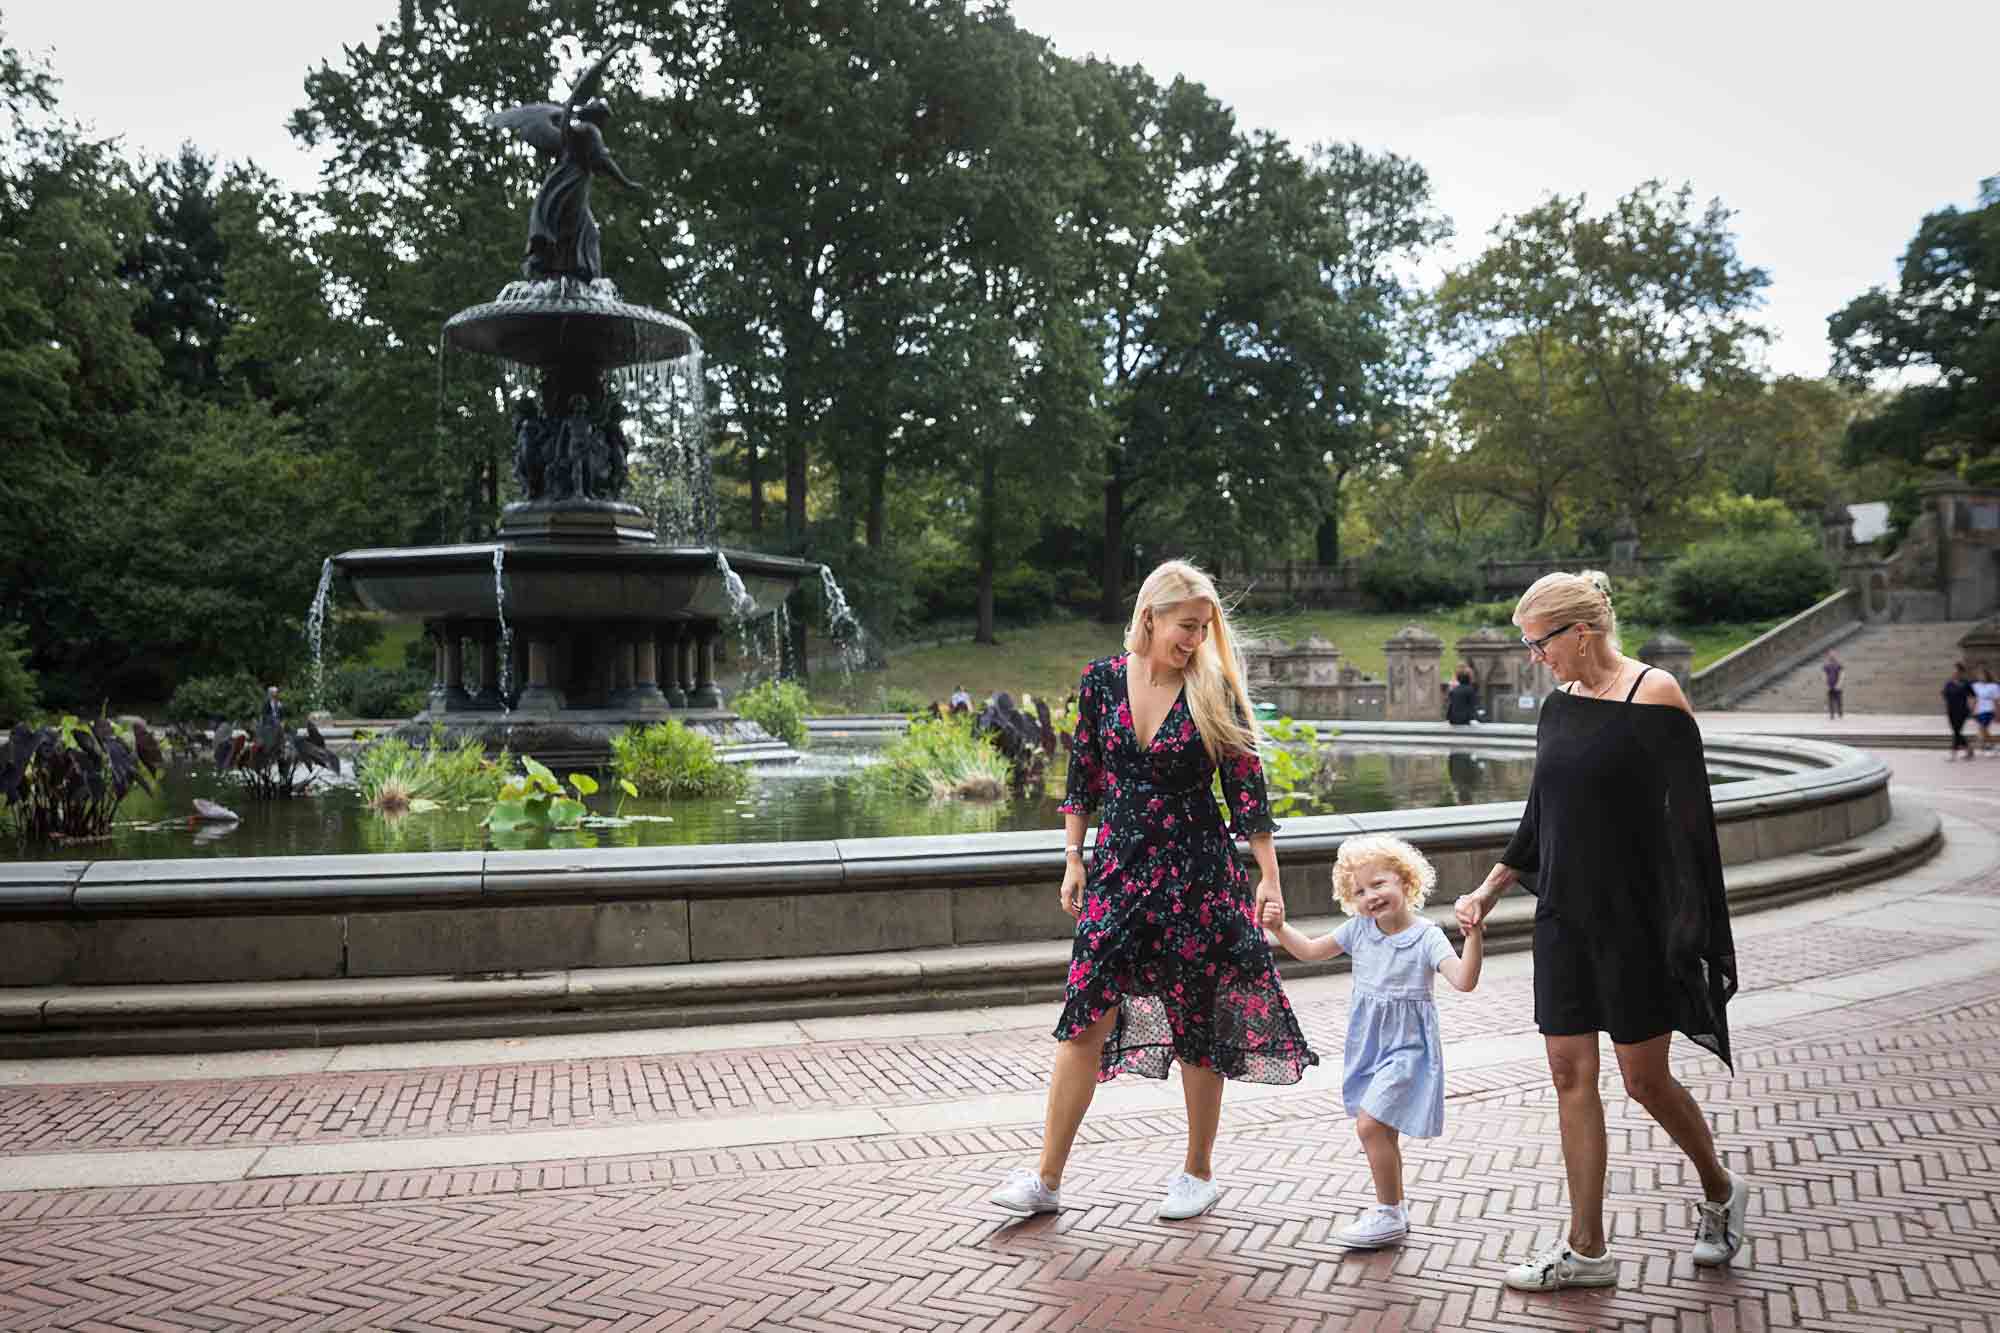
pixel 558 581
pixel 575 738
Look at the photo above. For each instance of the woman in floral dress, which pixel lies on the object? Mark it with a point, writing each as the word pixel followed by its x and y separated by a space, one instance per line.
pixel 1168 962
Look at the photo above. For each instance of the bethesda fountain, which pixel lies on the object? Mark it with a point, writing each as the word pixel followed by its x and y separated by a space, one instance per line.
pixel 586 612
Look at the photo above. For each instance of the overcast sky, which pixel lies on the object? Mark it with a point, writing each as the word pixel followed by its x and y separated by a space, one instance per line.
pixel 1831 129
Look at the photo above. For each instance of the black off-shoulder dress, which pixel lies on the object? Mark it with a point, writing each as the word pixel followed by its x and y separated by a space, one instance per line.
pixel 1168 932
pixel 1618 845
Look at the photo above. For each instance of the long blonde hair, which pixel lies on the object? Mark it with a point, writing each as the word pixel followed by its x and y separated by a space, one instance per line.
pixel 1217 695
pixel 1562 599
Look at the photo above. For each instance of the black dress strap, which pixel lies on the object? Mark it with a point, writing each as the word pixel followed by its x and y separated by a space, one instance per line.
pixel 1635 685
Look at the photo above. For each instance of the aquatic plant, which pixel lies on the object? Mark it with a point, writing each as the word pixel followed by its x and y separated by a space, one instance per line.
pixel 65 781
pixel 779 707
pixel 942 759
pixel 672 760
pixel 394 775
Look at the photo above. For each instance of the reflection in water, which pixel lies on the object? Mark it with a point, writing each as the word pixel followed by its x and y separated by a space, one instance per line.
pixel 818 798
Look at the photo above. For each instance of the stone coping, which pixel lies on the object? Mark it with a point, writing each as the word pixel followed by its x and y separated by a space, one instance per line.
pixel 56 1020
pixel 1800 776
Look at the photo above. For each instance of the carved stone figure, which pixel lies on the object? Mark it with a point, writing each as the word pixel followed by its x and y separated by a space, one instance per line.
pixel 531 448
pixel 562 233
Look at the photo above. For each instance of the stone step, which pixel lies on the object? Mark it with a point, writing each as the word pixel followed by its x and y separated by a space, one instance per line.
pixel 1893 667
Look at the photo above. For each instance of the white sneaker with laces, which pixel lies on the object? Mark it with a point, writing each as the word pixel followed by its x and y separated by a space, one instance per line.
pixel 1023 1192
pixel 1559 1266
pixel 1718 1227
pixel 1376 1226
pixel 1187 1196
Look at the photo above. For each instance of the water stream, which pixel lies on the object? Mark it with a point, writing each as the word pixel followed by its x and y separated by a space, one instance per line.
pixel 316 633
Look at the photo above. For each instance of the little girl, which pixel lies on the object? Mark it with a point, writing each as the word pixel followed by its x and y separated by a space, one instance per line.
pixel 1394 1076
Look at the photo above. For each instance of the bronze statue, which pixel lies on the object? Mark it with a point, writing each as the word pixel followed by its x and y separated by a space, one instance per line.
pixel 562 234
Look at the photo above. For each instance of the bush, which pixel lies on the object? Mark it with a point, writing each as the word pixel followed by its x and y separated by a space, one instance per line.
pixel 1983 471
pixel 1739 579
pixel 199 700
pixel 20 692
pixel 1417 581
pixel 779 707
pixel 358 690
pixel 394 775
pixel 940 758
pixel 671 760
pixel 902 699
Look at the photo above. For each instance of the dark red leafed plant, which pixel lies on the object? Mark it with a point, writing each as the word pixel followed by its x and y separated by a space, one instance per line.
pixel 64 781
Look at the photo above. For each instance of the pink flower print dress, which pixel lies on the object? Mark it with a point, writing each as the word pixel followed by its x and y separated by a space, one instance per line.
pixel 1168 934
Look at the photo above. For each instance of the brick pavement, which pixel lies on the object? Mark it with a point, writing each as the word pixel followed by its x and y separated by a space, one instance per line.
pixel 1870 1131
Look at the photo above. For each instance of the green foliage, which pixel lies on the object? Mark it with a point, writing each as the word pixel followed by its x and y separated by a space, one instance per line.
pixel 20 692
pixel 394 775
pixel 359 690
pixel 1410 579
pixel 901 699
pixel 1296 767
pixel 779 707
pixel 200 700
pixel 68 781
pixel 1748 578
pixel 940 759
pixel 1983 471
pixel 672 760
pixel 534 799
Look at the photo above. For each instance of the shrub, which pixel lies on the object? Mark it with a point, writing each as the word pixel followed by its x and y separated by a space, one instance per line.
pixel 1417 581
pixel 20 692
pixel 779 707
pixel 670 759
pixel 940 758
pixel 1983 471
pixel 199 700
pixel 392 774
pixel 359 690
pixel 903 699
pixel 1737 578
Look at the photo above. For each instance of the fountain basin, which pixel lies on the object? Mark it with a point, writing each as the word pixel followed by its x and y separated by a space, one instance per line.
pixel 568 327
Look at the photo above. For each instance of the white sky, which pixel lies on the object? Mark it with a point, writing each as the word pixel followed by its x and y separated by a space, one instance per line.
pixel 1831 128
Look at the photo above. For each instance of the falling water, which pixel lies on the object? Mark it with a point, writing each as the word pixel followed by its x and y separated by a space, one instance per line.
pixel 316 633
pixel 506 634
pixel 741 604
pixel 842 626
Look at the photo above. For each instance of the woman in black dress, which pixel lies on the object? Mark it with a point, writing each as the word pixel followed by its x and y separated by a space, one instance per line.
pixel 1168 962
pixel 1631 924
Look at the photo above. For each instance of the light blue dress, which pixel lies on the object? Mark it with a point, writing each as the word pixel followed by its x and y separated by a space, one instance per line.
pixel 1395 1057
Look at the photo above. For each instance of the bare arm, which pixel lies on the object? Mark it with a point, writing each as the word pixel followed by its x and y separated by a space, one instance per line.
pixel 1463 972
pixel 1472 908
pixel 1306 949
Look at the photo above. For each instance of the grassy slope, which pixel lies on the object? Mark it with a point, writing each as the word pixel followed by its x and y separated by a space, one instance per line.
pixel 1046 659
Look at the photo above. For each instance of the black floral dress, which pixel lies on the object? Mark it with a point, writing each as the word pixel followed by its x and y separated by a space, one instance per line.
pixel 1168 932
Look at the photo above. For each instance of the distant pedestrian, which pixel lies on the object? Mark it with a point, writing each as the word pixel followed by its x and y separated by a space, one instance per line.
pixel 1831 666
pixel 1957 708
pixel 1392 1077
pixel 274 711
pixel 1461 706
pixel 961 702
pixel 1985 700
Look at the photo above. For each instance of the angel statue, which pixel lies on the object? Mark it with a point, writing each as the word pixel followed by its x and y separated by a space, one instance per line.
pixel 562 235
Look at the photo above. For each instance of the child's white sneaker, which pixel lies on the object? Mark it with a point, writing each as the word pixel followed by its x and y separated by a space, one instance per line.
pixel 1023 1192
pixel 1187 1196
pixel 1376 1226
pixel 1559 1266
pixel 1718 1227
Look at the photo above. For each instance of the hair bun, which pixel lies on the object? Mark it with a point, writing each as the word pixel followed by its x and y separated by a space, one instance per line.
pixel 1600 581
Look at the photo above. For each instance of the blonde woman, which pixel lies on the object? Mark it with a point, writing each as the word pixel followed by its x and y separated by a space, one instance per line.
pixel 1168 961
pixel 1632 930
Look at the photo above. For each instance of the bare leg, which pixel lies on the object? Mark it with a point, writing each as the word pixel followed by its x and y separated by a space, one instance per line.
pixel 1202 1090
pixel 1385 1157
pixel 1649 1083
pixel 1071 1086
pixel 1580 1114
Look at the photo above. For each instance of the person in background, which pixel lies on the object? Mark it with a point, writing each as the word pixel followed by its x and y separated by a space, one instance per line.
pixel 1831 666
pixel 1461 706
pixel 961 702
pixel 1985 702
pixel 1957 708
pixel 274 711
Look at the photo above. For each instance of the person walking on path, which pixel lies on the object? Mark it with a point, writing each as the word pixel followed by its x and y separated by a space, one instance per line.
pixel 1461 706
pixel 1831 666
pixel 1985 701
pixel 1169 963
pixel 1957 708
pixel 1631 933
pixel 1392 1078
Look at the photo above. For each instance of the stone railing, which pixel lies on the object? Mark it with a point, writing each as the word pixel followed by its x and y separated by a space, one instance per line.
pixel 1723 683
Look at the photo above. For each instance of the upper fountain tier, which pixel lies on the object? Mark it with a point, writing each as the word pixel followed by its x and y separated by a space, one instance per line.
pixel 551 323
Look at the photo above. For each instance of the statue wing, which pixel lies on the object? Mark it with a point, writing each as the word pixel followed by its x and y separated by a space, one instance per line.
pixel 593 79
pixel 538 123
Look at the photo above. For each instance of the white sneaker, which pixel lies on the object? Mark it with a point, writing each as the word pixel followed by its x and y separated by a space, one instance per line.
pixel 1187 1196
pixel 1376 1226
pixel 1025 1193
pixel 1559 1266
pixel 1718 1227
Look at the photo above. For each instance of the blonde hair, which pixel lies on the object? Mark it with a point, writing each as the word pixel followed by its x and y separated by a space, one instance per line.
pixel 1214 677
pixel 1419 876
pixel 1564 599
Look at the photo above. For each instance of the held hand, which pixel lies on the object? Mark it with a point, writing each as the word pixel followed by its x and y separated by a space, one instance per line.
pixel 1471 910
pixel 1072 887
pixel 1270 905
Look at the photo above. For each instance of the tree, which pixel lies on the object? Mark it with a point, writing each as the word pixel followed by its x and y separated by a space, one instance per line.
pixel 181 263
pixel 1944 317
pixel 1623 339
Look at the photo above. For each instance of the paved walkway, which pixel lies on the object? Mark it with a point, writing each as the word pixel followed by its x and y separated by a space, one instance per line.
pixel 830 1174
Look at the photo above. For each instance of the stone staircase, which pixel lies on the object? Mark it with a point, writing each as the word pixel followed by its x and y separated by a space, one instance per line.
pixel 1892 667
